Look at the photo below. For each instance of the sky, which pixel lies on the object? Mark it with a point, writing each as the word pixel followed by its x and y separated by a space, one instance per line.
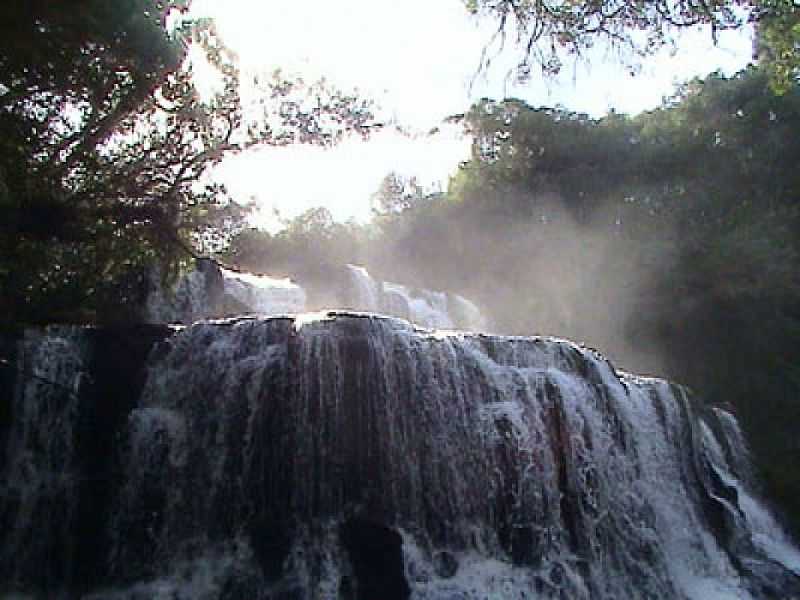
pixel 418 60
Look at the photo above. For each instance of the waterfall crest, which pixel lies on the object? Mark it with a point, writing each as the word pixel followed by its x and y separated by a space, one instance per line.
pixel 427 308
pixel 354 456
pixel 210 291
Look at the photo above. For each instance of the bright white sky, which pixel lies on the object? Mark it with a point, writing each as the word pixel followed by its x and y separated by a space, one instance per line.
pixel 416 59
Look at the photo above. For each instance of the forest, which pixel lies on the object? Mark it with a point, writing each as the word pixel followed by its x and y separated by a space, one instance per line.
pixel 669 240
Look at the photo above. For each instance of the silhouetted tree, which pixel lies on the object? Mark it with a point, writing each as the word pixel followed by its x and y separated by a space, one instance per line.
pixel 106 144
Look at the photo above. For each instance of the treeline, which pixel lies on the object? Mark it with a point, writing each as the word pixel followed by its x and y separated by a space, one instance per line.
pixel 669 240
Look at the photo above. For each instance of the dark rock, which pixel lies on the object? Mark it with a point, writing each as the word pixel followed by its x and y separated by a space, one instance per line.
pixel 214 280
pixel 74 552
pixel 376 554
pixel 271 542
pixel 346 591
pixel 8 381
pixel 445 564
pixel 118 369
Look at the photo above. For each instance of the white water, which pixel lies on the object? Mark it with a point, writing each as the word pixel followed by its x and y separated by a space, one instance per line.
pixel 466 313
pixel 213 292
pixel 39 489
pixel 540 471
pixel 367 295
pixel 426 308
pixel 265 295
pixel 185 301
pixel 463 440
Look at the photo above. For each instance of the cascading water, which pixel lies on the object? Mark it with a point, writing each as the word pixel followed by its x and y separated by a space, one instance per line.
pixel 427 308
pixel 209 292
pixel 264 295
pixel 42 470
pixel 366 294
pixel 464 313
pixel 191 298
pixel 354 456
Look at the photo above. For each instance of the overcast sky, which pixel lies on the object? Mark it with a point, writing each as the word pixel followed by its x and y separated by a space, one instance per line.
pixel 418 60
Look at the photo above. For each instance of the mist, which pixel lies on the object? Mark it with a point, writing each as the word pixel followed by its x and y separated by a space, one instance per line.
pixel 548 274
pixel 666 241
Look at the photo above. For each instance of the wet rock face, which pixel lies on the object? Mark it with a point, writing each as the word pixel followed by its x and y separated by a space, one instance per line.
pixel 72 390
pixel 376 555
pixel 445 564
pixel 357 457
pixel 8 381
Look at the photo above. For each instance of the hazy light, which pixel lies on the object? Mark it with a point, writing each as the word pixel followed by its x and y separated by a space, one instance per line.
pixel 343 178
pixel 416 58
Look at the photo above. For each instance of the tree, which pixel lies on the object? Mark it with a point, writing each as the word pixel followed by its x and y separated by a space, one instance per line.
pixel 670 240
pixel 778 42
pixel 395 195
pixel 70 74
pixel 107 146
pixel 312 248
pixel 547 31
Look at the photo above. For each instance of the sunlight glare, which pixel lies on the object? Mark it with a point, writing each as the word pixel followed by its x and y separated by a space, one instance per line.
pixel 294 179
pixel 417 60
pixel 408 57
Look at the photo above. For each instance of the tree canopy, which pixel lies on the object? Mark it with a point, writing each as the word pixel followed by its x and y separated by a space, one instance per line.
pixel 106 146
pixel 778 42
pixel 669 240
pixel 546 32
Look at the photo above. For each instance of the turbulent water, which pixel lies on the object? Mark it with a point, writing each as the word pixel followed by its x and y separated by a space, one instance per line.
pixel 427 308
pixel 358 457
pixel 264 295
pixel 209 291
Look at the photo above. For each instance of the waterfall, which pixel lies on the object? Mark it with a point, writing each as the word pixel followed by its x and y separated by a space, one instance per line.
pixel 365 294
pixel 209 292
pixel 263 294
pixel 39 490
pixel 188 299
pixel 427 308
pixel 353 456
pixel 465 313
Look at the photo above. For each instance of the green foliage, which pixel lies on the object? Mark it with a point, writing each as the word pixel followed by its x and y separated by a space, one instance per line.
pixel 70 74
pixel 547 32
pixel 778 42
pixel 395 195
pixel 310 246
pixel 685 242
pixel 669 240
pixel 106 146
